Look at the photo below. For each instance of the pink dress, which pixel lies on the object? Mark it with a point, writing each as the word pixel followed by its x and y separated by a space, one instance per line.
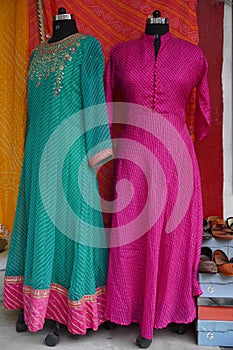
pixel 157 223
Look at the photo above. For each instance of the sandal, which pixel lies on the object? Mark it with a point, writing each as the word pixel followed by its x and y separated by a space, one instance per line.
pixel 225 266
pixel 207 265
pixel 206 234
pixel 212 219
pixel 220 228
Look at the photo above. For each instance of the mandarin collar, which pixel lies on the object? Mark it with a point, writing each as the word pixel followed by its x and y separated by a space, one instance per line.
pixel 164 38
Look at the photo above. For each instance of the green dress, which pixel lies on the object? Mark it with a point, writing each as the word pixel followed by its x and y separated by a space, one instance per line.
pixel 57 261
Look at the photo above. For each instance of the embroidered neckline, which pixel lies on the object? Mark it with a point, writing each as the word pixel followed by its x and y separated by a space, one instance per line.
pixel 51 60
pixel 47 48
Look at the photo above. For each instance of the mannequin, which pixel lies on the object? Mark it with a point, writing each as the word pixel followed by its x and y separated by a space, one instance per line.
pixel 126 301
pixel 64 25
pixel 56 62
pixel 157 26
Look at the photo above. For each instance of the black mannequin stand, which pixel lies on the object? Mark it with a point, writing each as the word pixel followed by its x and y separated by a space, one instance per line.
pixel 64 25
pixel 20 324
pixel 157 26
pixel 109 325
pixel 52 339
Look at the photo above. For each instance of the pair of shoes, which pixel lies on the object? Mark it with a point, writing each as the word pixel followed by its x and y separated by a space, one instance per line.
pixel 225 266
pixel 221 229
pixel 207 264
pixel 206 234
pixel 142 342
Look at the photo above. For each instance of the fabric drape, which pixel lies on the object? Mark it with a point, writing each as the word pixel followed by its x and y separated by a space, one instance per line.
pixel 156 236
pixel 14 40
pixel 57 263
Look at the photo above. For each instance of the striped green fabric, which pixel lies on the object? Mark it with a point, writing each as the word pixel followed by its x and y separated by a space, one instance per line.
pixel 57 182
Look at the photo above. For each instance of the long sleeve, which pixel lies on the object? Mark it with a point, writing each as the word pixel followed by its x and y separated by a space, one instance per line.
pixel 202 116
pixel 109 87
pixel 97 133
pixel 117 109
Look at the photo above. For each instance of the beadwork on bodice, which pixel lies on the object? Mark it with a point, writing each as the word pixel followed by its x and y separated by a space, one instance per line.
pixel 52 59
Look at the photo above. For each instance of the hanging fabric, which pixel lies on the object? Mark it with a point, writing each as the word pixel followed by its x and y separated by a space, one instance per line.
pixel 14 42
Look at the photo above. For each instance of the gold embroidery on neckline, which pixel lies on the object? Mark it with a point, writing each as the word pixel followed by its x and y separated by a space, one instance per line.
pixel 52 59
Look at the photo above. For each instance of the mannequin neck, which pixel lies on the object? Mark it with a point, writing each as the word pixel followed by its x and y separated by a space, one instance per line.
pixel 160 29
pixel 62 29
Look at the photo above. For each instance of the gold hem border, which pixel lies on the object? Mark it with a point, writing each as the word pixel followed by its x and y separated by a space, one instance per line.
pixel 44 293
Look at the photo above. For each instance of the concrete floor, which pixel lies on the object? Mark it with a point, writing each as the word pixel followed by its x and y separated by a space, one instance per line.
pixel 120 338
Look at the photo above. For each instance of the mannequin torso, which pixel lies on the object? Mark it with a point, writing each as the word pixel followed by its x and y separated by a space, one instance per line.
pixel 63 26
pixel 62 29
pixel 156 27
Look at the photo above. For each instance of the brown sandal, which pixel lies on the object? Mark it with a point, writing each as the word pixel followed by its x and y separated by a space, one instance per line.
pixel 225 267
pixel 220 229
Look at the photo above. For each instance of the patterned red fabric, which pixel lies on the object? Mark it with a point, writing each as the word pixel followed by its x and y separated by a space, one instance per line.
pixel 153 280
pixel 114 21
pixel 34 34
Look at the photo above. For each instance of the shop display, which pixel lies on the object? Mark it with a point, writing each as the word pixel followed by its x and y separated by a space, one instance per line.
pixel 166 265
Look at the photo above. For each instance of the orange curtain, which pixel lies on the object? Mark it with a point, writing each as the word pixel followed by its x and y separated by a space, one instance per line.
pixel 14 40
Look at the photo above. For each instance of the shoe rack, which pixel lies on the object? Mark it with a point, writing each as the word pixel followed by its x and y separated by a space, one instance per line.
pixel 215 305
